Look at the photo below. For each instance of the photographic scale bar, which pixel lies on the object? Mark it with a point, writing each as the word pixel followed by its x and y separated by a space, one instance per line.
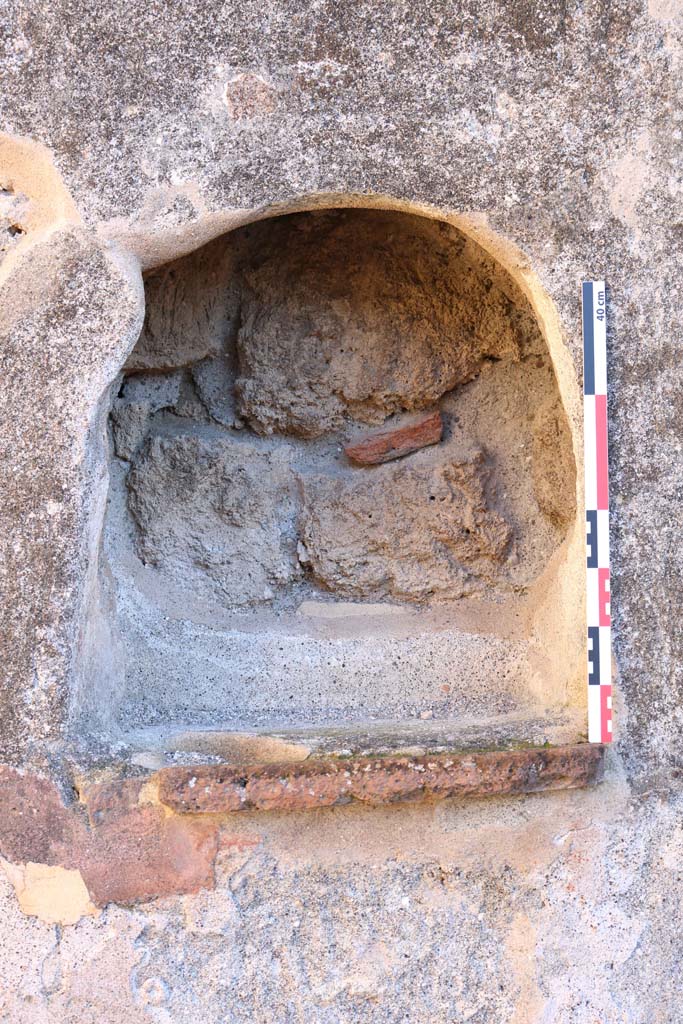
pixel 598 606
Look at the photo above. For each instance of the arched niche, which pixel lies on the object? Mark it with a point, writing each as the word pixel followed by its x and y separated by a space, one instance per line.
pixel 255 580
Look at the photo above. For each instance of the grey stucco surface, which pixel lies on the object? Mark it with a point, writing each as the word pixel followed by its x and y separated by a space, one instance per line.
pixel 559 126
pixel 558 123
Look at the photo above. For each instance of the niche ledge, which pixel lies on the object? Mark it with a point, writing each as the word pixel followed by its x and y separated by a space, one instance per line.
pixel 154 748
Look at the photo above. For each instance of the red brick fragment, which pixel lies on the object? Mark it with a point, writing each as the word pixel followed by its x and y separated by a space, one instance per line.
pixel 392 444
pixel 127 850
pixel 143 853
pixel 216 789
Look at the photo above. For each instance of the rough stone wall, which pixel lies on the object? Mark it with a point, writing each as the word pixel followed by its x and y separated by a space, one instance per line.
pixel 310 327
pixel 556 127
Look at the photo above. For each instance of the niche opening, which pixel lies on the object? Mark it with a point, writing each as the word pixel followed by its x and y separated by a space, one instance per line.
pixel 266 571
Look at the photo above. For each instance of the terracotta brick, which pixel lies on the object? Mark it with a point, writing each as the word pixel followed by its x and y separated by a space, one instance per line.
pixel 313 784
pixel 146 853
pixel 392 444
pixel 34 824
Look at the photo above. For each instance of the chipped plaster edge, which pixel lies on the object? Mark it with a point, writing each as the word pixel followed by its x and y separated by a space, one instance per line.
pixel 28 167
pixel 53 894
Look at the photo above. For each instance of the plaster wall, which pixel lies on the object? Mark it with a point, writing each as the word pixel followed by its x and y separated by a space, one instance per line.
pixel 138 132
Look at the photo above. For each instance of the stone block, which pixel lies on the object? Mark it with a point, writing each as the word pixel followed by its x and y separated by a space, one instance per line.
pixel 409 532
pixel 388 316
pixel 212 514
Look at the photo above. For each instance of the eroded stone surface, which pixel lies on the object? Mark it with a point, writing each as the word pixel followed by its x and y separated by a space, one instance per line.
pixel 141 396
pixel 191 308
pixel 404 531
pixel 214 511
pixel 387 314
pixel 215 380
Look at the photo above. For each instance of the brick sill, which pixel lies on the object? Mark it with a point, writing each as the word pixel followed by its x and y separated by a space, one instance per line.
pixel 307 785
pixel 138 838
